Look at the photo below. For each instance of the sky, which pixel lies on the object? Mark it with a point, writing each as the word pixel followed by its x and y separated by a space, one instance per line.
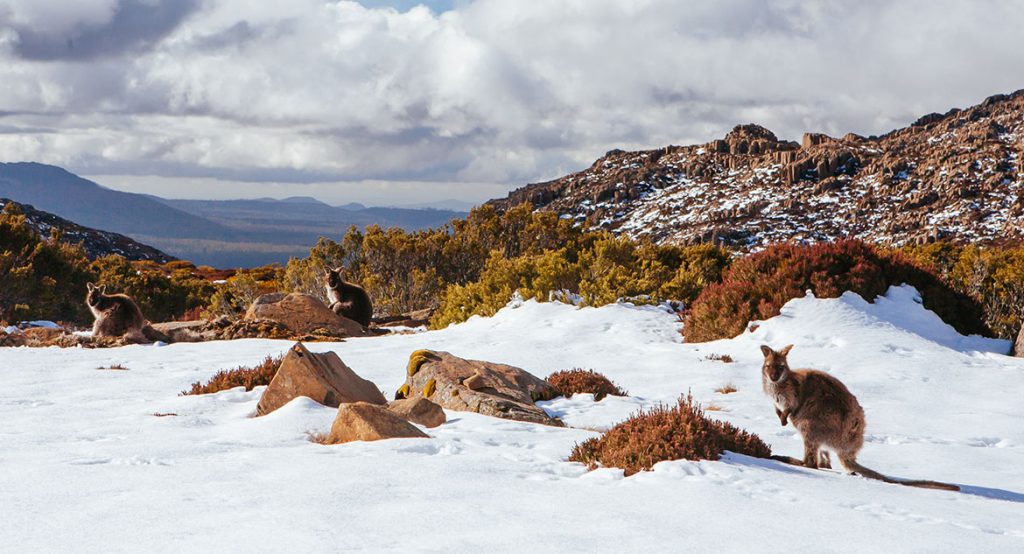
pixel 399 102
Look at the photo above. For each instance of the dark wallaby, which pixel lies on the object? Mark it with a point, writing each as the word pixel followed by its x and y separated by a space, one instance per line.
pixel 118 316
pixel 827 415
pixel 348 299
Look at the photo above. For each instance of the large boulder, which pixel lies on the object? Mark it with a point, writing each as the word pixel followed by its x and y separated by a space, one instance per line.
pixel 322 377
pixel 487 388
pixel 1018 348
pixel 302 313
pixel 362 421
pixel 419 410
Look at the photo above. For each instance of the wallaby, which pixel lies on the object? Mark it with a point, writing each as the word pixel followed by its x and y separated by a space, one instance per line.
pixel 348 299
pixel 118 316
pixel 827 415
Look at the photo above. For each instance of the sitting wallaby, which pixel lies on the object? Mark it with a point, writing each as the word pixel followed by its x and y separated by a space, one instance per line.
pixel 826 414
pixel 348 299
pixel 117 316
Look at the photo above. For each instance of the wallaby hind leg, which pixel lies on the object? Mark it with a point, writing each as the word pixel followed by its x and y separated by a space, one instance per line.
pixel 824 460
pixel 811 454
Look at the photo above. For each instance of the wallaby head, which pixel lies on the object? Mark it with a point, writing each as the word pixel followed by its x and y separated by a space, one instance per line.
pixel 95 294
pixel 775 367
pixel 334 277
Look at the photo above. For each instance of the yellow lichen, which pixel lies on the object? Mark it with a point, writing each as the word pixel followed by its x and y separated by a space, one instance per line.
pixel 403 392
pixel 428 389
pixel 455 392
pixel 417 359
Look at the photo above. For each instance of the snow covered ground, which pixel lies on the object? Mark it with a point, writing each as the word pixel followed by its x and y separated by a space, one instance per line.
pixel 86 465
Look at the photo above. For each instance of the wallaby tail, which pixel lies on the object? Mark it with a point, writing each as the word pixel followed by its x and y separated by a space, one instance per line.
pixel 852 465
pixel 153 335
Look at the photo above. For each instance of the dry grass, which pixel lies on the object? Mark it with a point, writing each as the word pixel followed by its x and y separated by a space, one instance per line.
pixel 248 377
pixel 712 407
pixel 666 433
pixel 574 381
pixel 113 367
pixel 727 388
pixel 165 414
pixel 724 358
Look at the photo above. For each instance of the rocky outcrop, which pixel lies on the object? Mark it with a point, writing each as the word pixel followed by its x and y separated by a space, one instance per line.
pixel 419 410
pixel 322 377
pixel 487 388
pixel 362 421
pixel 302 313
pixel 956 176
pixel 96 243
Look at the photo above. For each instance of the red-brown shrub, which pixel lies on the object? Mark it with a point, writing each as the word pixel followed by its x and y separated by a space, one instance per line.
pixel 587 381
pixel 248 377
pixel 666 433
pixel 757 286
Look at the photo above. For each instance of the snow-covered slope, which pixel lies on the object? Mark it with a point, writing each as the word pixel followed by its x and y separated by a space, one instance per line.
pixel 85 465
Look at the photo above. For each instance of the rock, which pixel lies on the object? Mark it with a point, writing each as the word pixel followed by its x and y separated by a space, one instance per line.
pixel 302 313
pixel 419 410
pixel 497 390
pixel 362 421
pixel 173 327
pixel 417 318
pixel 1018 348
pixel 322 377
pixel 44 335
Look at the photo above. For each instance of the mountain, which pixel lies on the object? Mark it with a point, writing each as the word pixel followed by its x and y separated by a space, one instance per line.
pixel 95 242
pixel 227 233
pixel 955 176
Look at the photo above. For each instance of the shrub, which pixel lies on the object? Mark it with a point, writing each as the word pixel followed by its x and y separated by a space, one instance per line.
pixel 666 433
pixel 757 286
pixel 41 279
pixel 992 275
pixel 573 381
pixel 248 377
pixel 163 293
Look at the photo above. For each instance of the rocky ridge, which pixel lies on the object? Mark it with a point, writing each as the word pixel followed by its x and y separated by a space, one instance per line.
pixel 955 176
pixel 95 242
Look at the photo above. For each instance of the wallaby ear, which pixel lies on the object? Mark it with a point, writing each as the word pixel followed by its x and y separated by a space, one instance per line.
pixel 766 350
pixel 90 286
pixel 103 289
pixel 786 350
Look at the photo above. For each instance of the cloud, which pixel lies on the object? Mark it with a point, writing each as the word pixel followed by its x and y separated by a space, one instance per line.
pixel 489 91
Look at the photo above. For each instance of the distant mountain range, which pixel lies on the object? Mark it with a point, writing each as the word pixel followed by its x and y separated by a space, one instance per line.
pixel 956 176
pixel 221 233
pixel 95 242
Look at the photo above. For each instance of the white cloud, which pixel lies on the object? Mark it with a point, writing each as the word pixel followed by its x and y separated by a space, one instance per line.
pixel 492 91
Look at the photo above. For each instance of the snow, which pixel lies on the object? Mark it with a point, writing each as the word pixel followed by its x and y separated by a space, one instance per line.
pixel 87 465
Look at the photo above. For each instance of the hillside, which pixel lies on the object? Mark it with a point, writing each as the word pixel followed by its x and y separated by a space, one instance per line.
pixel 233 233
pixel 201 473
pixel 95 242
pixel 955 176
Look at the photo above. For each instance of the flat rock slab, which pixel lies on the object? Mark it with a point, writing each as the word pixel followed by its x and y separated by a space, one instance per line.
pixel 486 388
pixel 419 410
pixel 323 377
pixel 362 421
pixel 302 313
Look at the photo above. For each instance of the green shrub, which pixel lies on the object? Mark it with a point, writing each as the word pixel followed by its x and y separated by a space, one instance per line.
pixel 757 286
pixel 42 279
pixel 992 275
pixel 680 432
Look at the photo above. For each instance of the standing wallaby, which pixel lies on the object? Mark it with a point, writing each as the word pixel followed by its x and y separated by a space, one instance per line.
pixel 117 316
pixel 348 299
pixel 826 414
